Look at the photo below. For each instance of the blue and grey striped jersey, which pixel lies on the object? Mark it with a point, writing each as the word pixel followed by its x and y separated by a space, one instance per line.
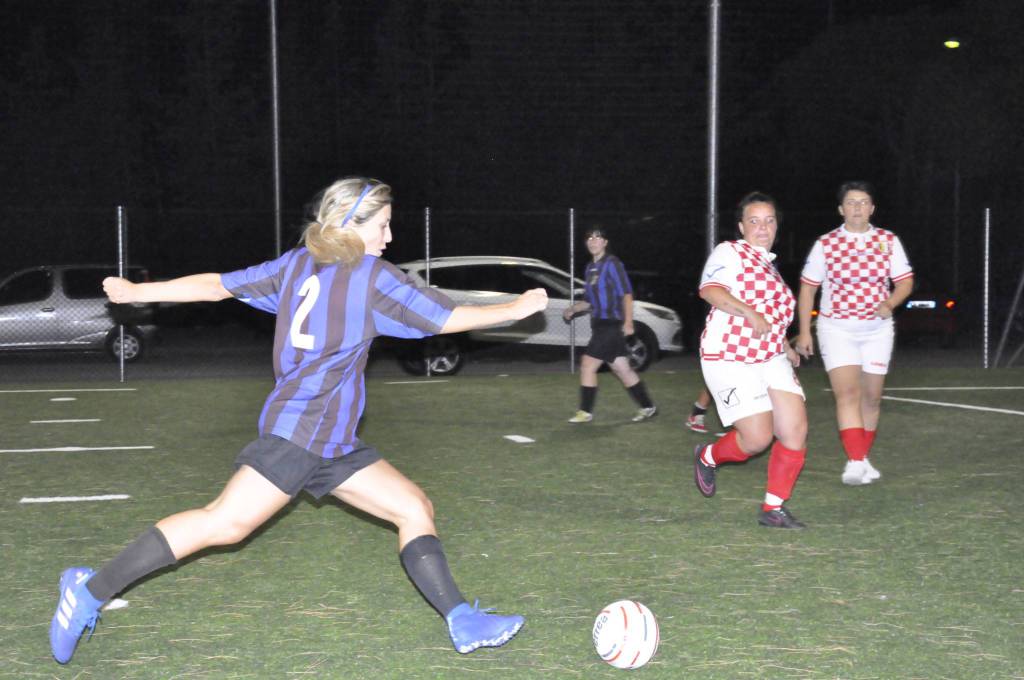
pixel 327 316
pixel 605 283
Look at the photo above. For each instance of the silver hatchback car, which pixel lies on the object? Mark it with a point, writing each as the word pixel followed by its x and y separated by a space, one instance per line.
pixel 63 307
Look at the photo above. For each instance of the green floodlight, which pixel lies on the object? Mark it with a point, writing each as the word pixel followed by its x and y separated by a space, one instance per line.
pixel 952 43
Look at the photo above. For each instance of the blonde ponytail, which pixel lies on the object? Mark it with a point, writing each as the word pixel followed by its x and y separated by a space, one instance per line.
pixel 346 203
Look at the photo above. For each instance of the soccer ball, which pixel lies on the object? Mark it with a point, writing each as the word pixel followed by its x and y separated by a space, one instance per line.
pixel 626 634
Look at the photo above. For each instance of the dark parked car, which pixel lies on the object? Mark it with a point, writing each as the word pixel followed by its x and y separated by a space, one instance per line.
pixel 927 314
pixel 63 307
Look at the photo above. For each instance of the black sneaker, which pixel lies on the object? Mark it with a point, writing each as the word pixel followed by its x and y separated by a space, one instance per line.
pixel 703 473
pixel 780 518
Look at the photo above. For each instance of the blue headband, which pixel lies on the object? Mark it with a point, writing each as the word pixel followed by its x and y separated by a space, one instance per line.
pixel 351 211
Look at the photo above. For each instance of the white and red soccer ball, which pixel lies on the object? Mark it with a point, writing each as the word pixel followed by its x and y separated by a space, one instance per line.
pixel 626 634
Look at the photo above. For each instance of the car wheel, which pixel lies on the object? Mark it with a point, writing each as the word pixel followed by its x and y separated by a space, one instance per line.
pixel 133 345
pixel 441 354
pixel 643 348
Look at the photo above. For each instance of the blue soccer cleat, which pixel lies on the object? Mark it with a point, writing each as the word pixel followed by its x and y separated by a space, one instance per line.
pixel 77 610
pixel 472 627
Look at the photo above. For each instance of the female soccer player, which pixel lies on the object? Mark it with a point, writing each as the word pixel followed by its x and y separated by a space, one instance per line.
pixel 608 296
pixel 853 265
pixel 332 296
pixel 747 363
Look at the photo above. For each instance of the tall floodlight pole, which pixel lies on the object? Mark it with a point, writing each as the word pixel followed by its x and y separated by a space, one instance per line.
pixel 713 27
pixel 276 124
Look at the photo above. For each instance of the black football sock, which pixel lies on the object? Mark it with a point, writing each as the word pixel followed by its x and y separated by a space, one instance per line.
pixel 639 394
pixel 588 395
pixel 424 561
pixel 145 555
pixel 698 410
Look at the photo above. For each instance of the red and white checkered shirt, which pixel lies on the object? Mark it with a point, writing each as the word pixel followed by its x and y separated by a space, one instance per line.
pixel 748 274
pixel 854 271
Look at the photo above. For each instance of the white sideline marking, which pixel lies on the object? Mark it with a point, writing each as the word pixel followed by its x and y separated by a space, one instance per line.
pixel 966 406
pixel 64 399
pixel 519 439
pixel 937 389
pixel 69 420
pixel 76 499
pixel 83 389
pixel 75 449
pixel 414 382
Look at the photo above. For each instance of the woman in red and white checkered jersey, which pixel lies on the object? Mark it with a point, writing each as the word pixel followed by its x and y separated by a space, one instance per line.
pixel 853 266
pixel 747 363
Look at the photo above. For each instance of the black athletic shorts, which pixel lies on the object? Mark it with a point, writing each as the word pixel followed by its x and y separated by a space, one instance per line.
pixel 607 342
pixel 292 468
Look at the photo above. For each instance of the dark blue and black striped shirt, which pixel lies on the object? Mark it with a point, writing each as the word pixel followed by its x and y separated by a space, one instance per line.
pixel 327 316
pixel 606 283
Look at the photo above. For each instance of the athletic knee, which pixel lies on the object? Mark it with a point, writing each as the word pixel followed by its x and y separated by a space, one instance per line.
pixel 416 508
pixel 754 441
pixel 227 529
pixel 871 402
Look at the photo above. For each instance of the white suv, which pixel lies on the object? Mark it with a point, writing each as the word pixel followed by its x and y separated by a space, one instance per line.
pixel 487 279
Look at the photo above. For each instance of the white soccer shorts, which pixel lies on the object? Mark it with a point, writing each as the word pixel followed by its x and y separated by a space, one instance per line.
pixel 853 342
pixel 741 390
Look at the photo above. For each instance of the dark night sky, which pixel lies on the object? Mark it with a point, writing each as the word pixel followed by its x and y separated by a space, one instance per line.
pixel 501 115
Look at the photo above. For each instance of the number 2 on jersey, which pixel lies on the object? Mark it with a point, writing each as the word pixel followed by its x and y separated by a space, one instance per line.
pixel 309 291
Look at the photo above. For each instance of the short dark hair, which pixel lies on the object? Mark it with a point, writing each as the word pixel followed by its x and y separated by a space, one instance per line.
pixel 597 229
pixel 855 185
pixel 755 197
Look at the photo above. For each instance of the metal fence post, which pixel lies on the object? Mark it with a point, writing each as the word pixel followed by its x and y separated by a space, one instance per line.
pixel 984 303
pixel 572 289
pixel 121 257
pixel 426 257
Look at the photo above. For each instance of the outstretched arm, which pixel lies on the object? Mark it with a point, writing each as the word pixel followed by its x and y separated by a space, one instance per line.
pixel 470 317
pixel 194 288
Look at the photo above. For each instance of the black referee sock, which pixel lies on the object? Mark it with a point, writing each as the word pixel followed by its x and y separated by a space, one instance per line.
pixel 587 397
pixel 639 394
pixel 148 553
pixel 424 561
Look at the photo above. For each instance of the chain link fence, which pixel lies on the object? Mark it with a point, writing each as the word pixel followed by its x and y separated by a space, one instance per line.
pixel 55 322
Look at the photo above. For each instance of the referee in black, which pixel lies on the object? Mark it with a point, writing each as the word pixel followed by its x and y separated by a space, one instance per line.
pixel 608 297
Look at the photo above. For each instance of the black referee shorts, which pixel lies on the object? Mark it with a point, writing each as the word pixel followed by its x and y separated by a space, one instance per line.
pixel 292 468
pixel 607 342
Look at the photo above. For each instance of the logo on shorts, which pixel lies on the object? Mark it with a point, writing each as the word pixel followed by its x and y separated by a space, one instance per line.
pixel 729 397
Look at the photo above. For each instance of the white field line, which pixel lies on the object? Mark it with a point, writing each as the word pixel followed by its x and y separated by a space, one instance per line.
pixel 964 406
pixel 76 499
pixel 63 398
pixel 519 439
pixel 69 420
pixel 76 449
pixel 948 389
pixel 83 389
pixel 415 382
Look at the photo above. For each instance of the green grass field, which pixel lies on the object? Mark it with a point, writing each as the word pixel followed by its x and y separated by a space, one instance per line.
pixel 920 575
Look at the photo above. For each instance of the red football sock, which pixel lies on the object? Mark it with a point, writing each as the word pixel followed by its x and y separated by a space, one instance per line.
pixel 869 440
pixel 727 450
pixel 853 443
pixel 784 467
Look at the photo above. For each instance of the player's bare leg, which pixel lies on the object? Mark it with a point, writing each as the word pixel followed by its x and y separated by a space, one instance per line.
pixel 384 492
